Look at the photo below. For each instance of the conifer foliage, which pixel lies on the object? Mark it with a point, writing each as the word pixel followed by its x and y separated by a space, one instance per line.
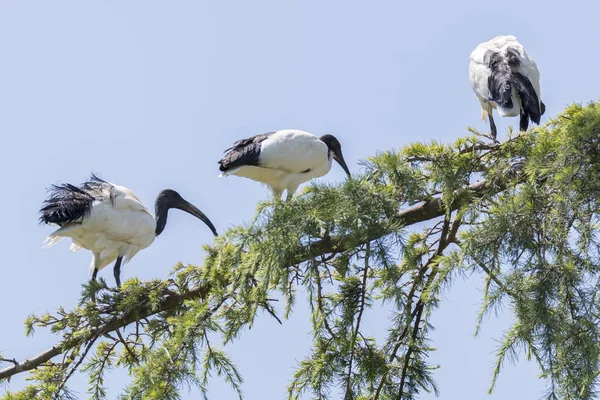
pixel 523 214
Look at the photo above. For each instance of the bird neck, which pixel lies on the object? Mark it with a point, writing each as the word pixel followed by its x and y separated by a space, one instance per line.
pixel 161 219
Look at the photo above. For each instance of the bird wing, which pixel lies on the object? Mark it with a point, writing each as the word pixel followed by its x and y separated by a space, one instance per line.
pixel 479 74
pixel 126 199
pixel 480 68
pixel 98 216
pixel 107 228
pixel 525 77
pixel 293 151
pixel 119 196
pixel 243 152
pixel 528 69
pixel 66 204
pixel 530 101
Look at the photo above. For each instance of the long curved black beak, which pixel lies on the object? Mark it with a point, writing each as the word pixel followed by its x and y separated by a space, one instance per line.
pixel 188 207
pixel 339 157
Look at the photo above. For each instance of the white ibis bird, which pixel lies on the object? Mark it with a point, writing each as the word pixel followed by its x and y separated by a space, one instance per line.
pixel 505 77
pixel 109 220
pixel 282 160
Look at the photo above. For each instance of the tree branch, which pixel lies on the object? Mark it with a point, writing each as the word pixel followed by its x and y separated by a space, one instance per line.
pixel 420 212
pixel 357 329
pixel 421 304
pixel 168 303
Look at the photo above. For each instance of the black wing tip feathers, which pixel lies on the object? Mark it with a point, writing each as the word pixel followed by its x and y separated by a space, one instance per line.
pixel 531 104
pixel 500 75
pixel 94 182
pixel 243 152
pixel 68 203
pixel 94 178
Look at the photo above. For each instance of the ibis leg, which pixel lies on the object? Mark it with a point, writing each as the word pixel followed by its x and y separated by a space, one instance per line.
pixel 94 274
pixel 492 126
pixel 524 123
pixel 117 271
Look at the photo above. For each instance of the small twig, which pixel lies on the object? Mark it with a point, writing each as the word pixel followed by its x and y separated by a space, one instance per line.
pixel 104 360
pixel 14 361
pixel 359 318
pixel 420 306
pixel 419 158
pixel 74 368
pixel 392 357
pixel 320 302
pixel 484 135
pixel 479 146
pixel 454 229
pixel 114 339
pixel 131 353
pixel 493 277
pixel 271 311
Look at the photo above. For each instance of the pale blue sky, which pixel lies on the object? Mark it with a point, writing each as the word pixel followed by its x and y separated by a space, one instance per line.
pixel 148 94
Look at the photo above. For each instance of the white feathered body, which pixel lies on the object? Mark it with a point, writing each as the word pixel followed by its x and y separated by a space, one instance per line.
pixel 117 226
pixel 288 158
pixel 479 73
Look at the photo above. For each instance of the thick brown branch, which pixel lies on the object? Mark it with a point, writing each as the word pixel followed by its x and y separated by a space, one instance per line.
pixel 420 212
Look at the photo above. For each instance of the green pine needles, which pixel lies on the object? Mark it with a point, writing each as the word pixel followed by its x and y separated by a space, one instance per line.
pixel 524 214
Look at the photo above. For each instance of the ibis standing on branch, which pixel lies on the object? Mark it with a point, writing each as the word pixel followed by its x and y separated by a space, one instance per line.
pixel 505 77
pixel 282 160
pixel 109 220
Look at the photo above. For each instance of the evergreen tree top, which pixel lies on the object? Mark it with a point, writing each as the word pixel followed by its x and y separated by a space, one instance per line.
pixel 522 213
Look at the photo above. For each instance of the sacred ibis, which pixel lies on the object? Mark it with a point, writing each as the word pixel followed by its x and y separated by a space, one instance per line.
pixel 505 77
pixel 283 159
pixel 109 220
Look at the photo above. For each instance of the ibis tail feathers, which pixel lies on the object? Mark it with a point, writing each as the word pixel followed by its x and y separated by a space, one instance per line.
pixel 74 247
pixel 542 107
pixel 59 235
pixel 243 152
pixel 51 241
pixel 529 98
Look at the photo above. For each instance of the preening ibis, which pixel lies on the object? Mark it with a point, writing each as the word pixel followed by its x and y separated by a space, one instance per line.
pixel 505 77
pixel 109 220
pixel 283 159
